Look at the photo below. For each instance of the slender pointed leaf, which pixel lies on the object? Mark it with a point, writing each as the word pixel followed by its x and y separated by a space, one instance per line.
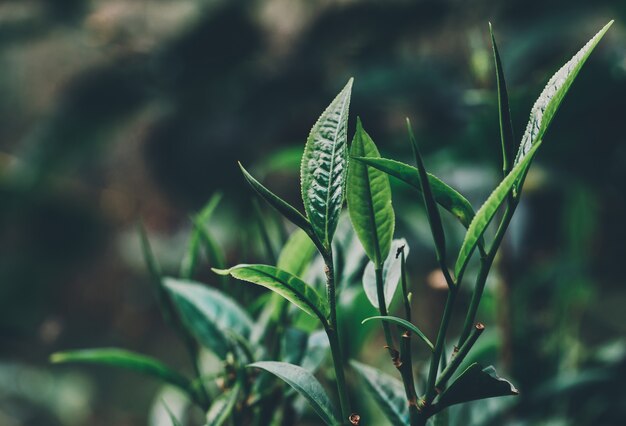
pixel 475 383
pixel 190 260
pixel 404 324
pixel 434 219
pixel 392 271
pixel 222 407
pixel 504 112
pixel 387 391
pixel 283 207
pixel 550 99
pixel 287 285
pixel 305 384
pixel 486 213
pixel 208 314
pixel 127 360
pixel 369 200
pixel 324 167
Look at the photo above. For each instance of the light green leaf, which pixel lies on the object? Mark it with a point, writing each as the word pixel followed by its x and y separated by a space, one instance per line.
pixel 486 213
pixel 504 112
pixel 190 260
pixel 296 254
pixel 369 200
pixel 392 270
pixel 287 285
pixel 208 314
pixel 404 324
pixel 283 207
pixel 446 196
pixel 387 391
pixel 222 407
pixel 324 167
pixel 173 419
pixel 550 99
pixel 305 384
pixel 127 360
pixel 472 384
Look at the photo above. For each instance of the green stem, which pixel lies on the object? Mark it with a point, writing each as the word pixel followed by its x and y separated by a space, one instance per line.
pixel 460 355
pixel 485 266
pixel 332 330
pixel 431 390
pixel 382 307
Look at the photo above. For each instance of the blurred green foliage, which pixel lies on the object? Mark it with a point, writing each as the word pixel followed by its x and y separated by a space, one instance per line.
pixel 111 110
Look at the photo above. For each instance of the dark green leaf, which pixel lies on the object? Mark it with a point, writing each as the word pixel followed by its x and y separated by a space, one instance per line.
pixel 284 208
pixel 404 324
pixel 446 196
pixel 550 99
pixel 387 391
pixel 222 407
pixel 208 314
pixel 190 260
pixel 324 167
pixel 127 360
pixel 504 112
pixel 434 219
pixel 392 270
pixel 287 285
pixel 305 384
pixel 369 200
pixel 475 383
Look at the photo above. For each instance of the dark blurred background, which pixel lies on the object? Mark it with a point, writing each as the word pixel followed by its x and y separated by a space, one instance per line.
pixel 115 110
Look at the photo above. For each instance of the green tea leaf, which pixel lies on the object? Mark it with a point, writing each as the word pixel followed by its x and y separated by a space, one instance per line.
pixel 392 270
pixel 486 213
pixel 283 207
pixel 222 407
pixel 127 360
pixel 287 285
pixel 296 254
pixel 305 384
pixel 208 314
pixel 190 260
pixel 475 383
pixel 446 196
pixel 404 324
pixel 434 219
pixel 504 112
pixel 369 200
pixel 387 391
pixel 324 167
pixel 550 99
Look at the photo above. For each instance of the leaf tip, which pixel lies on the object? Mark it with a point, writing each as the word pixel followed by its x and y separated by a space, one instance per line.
pixel 221 271
pixel 57 357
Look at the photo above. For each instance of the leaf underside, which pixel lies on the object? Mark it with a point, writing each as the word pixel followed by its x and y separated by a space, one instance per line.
pixel 305 384
pixel 208 314
pixel 387 391
pixel 392 269
pixel 475 383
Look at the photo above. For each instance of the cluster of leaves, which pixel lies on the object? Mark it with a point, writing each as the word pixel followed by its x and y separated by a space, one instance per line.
pixel 208 318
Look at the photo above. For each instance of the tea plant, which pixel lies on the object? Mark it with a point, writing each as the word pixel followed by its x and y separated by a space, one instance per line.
pixel 249 347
